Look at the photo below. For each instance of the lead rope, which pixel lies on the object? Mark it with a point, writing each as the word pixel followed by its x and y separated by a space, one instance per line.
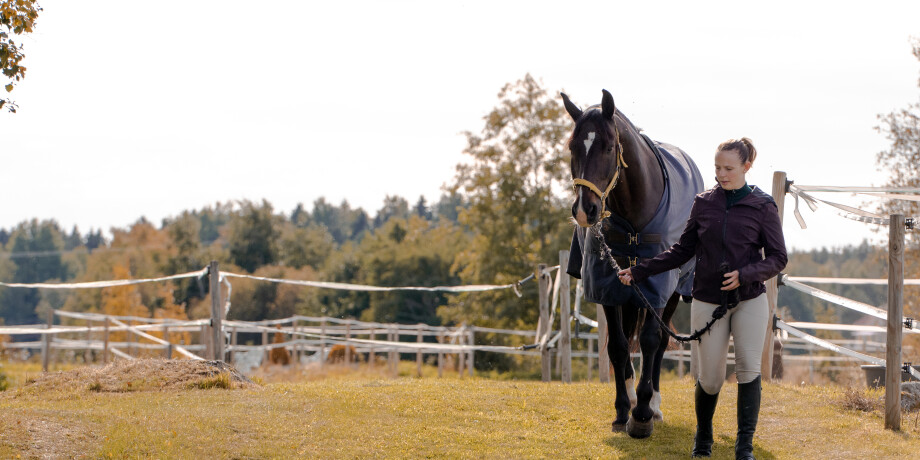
pixel 716 315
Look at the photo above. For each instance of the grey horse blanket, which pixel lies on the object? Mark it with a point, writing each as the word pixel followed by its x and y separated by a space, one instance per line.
pixel 682 183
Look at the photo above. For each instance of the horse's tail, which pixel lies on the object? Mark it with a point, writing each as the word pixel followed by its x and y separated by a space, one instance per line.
pixel 669 308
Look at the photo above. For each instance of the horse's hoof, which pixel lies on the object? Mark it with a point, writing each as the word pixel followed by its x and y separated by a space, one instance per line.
pixel 639 430
pixel 618 427
pixel 658 417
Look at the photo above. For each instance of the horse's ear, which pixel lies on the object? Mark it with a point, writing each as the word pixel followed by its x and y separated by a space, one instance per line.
pixel 607 106
pixel 570 107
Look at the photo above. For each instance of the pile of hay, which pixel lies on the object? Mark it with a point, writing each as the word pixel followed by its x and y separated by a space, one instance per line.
pixel 144 375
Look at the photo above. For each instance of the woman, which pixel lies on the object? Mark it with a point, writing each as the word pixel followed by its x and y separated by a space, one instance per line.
pixel 728 226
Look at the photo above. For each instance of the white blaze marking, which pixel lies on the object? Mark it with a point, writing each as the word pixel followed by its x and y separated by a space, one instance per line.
pixel 588 142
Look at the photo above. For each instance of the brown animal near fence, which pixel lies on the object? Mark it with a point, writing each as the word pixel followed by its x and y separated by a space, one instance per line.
pixel 280 355
pixel 337 354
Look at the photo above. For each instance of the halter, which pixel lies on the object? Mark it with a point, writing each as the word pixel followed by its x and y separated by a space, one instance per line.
pixel 613 182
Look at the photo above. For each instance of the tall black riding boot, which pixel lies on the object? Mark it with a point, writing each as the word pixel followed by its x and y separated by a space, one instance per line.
pixel 705 408
pixel 748 410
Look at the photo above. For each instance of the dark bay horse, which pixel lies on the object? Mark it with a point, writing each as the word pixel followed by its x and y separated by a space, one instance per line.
pixel 636 194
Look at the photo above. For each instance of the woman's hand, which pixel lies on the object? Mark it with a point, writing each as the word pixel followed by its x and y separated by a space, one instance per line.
pixel 731 281
pixel 625 276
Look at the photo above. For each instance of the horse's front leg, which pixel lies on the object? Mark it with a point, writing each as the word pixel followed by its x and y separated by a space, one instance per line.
pixel 641 424
pixel 618 350
pixel 666 315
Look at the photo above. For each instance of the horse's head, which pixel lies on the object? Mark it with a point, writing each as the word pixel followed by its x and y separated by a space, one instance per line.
pixel 597 158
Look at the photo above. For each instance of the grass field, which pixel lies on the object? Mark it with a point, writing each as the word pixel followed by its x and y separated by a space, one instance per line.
pixel 362 415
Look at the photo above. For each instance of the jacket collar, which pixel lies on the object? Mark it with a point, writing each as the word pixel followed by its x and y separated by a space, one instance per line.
pixel 756 198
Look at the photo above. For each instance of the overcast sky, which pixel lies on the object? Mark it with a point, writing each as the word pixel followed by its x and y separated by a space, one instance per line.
pixel 138 108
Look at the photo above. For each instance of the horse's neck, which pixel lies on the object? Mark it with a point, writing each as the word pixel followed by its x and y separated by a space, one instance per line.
pixel 641 185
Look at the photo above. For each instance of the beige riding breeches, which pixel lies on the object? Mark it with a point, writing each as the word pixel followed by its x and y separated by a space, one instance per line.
pixel 746 324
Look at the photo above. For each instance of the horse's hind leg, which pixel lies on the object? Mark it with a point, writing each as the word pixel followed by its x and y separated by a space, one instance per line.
pixel 669 309
pixel 641 423
pixel 618 349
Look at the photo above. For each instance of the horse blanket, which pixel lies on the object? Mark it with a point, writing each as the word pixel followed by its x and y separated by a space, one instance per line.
pixel 682 182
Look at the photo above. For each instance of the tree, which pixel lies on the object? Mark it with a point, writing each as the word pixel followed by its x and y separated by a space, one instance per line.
pixel 35 249
pixel 302 246
pixel 421 209
pixel 902 161
pixel 342 222
pixel 16 17
pixel 413 252
pixel 253 236
pixel 516 211
pixel 449 206
pixel 393 207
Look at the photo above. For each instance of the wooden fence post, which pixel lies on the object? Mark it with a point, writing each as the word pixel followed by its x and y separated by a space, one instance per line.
pixel 169 347
pixel 105 342
pixel 565 321
pixel 234 339
pixel 895 322
pixel 87 353
pixel 461 355
pixel 590 357
pixel 603 360
pixel 766 361
pixel 296 338
pixel 348 345
pixel 471 339
pixel 440 355
pixel 372 354
pixel 322 343
pixel 393 356
pixel 418 352
pixel 46 342
pixel 545 328
pixel 217 313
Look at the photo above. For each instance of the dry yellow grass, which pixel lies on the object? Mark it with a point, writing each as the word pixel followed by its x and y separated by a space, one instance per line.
pixel 349 416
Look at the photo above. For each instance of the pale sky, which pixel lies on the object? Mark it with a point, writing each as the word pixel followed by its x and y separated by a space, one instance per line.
pixel 136 108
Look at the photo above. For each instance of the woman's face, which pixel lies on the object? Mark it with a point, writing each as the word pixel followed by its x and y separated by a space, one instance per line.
pixel 729 169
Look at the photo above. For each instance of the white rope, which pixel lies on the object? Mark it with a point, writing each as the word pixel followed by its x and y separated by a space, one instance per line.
pixel 360 287
pixel 829 188
pixel 892 196
pixel 854 281
pixel 830 346
pixel 104 284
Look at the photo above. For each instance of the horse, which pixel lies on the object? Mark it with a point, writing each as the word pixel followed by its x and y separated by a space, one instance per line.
pixel 648 190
